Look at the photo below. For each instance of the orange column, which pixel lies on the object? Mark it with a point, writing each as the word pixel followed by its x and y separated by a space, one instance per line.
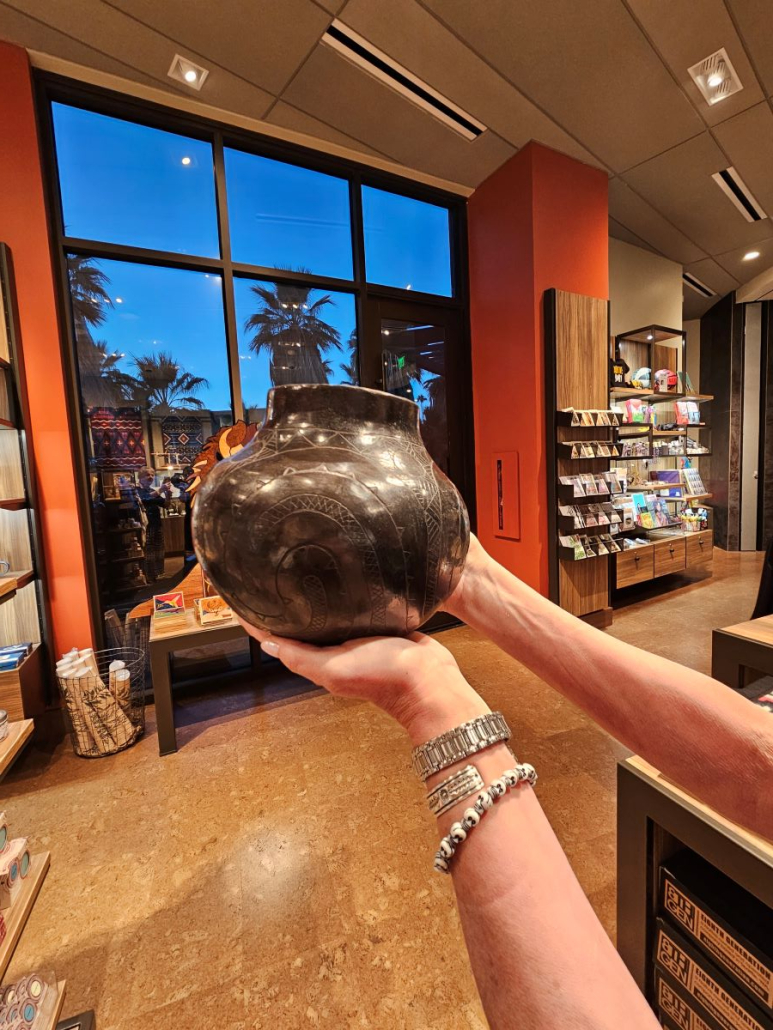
pixel 540 221
pixel 24 227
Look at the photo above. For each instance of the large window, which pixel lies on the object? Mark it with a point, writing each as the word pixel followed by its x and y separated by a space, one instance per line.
pixel 203 271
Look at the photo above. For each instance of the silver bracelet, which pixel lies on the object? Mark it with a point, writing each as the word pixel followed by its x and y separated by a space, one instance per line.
pixel 522 773
pixel 459 743
pixel 455 789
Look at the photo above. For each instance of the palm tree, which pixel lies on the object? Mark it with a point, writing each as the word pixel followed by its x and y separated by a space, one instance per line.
pixel 163 386
pixel 351 368
pixel 103 383
pixel 289 327
pixel 88 294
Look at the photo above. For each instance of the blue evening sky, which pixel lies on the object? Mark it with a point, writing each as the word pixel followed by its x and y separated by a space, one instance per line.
pixel 129 184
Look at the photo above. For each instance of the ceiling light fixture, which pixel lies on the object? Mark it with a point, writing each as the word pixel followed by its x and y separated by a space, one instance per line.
pixel 186 160
pixel 359 51
pixel 715 77
pixel 185 71
pixel 733 186
pixel 751 255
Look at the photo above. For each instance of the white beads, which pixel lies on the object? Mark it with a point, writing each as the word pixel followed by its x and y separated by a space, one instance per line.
pixel 470 818
pixel 510 779
pixel 484 800
pixel 457 833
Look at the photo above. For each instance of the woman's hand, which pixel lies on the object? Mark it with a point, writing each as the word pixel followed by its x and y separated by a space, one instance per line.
pixel 415 679
pixel 475 565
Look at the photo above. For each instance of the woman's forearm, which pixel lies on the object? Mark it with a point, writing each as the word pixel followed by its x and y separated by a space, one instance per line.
pixel 539 954
pixel 700 733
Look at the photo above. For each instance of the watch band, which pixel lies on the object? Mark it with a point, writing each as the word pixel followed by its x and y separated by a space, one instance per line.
pixel 459 743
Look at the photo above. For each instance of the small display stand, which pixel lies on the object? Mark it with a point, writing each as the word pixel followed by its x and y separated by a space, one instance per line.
pixel 657 821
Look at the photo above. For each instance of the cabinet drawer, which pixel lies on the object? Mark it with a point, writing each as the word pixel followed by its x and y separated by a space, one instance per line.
pixel 669 556
pixel 700 547
pixel 633 566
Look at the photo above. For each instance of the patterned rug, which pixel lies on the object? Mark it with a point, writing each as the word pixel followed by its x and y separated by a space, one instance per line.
pixel 182 436
pixel 116 438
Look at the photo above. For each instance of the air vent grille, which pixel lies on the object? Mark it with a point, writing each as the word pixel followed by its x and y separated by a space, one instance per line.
pixel 733 186
pixel 374 61
pixel 695 284
pixel 716 77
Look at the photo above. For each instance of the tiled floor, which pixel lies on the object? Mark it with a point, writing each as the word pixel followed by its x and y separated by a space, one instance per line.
pixel 276 871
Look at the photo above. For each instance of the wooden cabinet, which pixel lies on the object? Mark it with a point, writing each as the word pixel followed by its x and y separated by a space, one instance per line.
pixel 699 548
pixel 634 566
pixel 669 556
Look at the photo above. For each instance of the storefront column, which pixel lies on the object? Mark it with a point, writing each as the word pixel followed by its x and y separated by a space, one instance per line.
pixel 24 228
pixel 540 221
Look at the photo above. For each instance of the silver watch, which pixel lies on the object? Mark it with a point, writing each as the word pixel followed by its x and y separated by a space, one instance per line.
pixel 459 743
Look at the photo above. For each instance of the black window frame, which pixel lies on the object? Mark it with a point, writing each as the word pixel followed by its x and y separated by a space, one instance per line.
pixel 52 88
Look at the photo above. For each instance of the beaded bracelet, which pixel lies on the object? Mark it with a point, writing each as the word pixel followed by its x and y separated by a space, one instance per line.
pixel 522 773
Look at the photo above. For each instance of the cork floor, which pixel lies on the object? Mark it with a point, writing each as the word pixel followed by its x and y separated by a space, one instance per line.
pixel 276 871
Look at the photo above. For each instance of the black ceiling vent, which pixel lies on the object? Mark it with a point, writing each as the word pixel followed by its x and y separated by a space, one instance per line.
pixel 733 186
pixel 697 285
pixel 374 61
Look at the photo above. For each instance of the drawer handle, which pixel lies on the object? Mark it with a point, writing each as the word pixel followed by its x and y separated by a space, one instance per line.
pixel 671 550
pixel 636 557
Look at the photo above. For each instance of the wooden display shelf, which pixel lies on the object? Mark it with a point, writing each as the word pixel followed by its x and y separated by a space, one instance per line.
pixel 17 915
pixel 21 689
pixel 10 748
pixel 8 585
pixel 13 503
pixel 61 987
pixel 6 424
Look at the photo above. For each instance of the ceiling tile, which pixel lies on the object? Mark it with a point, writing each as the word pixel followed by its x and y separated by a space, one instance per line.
pixel 260 40
pixel 715 277
pixel 734 264
pixel 18 28
pixel 679 184
pixel 587 65
pixel 289 117
pixel 411 35
pixel 628 208
pixel 683 37
pixel 124 39
pixel 334 6
pixel 619 232
pixel 754 21
pixel 334 90
pixel 747 140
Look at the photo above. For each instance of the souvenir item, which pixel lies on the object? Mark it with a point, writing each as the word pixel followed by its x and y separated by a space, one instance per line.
pixel 642 379
pixel 665 380
pixel 333 522
pixel 212 610
pixel 169 606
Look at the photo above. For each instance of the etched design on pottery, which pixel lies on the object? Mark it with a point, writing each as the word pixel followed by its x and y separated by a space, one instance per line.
pixel 333 522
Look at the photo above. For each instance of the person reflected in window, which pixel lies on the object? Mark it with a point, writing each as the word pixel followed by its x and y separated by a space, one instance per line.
pixel 153 501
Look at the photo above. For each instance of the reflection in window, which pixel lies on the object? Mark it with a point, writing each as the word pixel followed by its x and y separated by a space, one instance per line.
pixel 130 184
pixel 153 376
pixel 413 359
pixel 407 242
pixel 292 334
pixel 283 216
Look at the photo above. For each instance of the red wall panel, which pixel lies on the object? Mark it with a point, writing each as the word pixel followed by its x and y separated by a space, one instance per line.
pixel 540 221
pixel 23 226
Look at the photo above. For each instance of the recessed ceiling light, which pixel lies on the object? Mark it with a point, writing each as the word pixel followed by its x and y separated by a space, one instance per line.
pixel 186 160
pixel 751 255
pixel 650 336
pixel 119 300
pixel 185 71
pixel 715 77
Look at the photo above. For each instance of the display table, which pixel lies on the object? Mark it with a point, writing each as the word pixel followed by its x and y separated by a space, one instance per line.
pixel 655 820
pixel 164 641
pixel 747 645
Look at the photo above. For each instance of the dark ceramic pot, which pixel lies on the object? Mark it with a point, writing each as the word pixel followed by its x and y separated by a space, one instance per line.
pixel 333 522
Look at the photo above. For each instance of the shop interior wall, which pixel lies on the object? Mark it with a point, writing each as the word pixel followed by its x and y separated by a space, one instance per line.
pixel 644 289
pixel 693 352
pixel 24 227
pixel 539 222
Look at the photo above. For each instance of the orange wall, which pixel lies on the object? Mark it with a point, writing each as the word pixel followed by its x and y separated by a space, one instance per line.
pixel 23 226
pixel 539 222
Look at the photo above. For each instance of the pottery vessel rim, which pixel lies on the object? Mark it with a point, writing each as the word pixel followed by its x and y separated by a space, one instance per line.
pixel 294 399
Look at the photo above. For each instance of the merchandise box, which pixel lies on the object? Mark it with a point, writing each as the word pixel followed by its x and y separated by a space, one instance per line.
pixel 714 996
pixel 674 1011
pixel 723 919
pixel 169 607
pixel 212 610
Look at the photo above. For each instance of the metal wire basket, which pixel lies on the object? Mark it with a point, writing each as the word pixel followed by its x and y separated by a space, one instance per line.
pixel 104 700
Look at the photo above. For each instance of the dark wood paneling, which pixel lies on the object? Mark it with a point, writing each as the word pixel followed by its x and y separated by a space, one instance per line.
pixel 765 514
pixel 722 329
